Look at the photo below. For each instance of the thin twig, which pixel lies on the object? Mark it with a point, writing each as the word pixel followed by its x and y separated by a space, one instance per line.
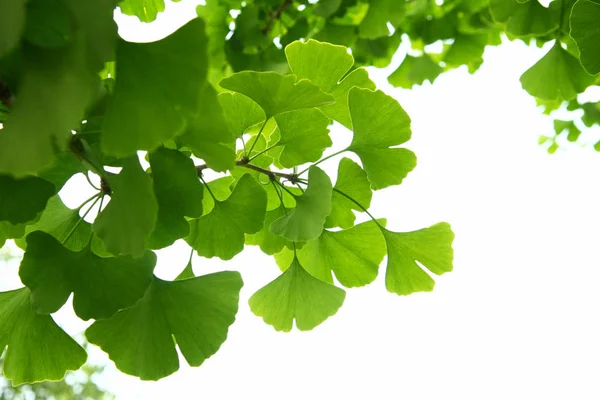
pixel 275 16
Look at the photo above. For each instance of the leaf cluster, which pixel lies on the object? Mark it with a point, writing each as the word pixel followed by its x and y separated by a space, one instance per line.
pixel 86 100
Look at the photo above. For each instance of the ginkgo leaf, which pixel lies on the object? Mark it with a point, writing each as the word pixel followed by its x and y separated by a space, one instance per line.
pixel 193 313
pixel 63 223
pixel 12 23
pixel 38 349
pixel 10 231
pixel 22 199
pixel 269 243
pixel 415 71
pixel 352 181
pixel 379 123
pixel 325 65
pixel 145 10
pixel 101 286
pixel 586 33
pixel 305 222
pixel 431 247
pixel 375 23
pixel 221 232
pixel 150 105
pixel 296 295
pixel 179 194
pixel 556 76
pixel 220 188
pixel 276 93
pixel 303 135
pixel 207 134
pixel 525 19
pixel 187 272
pixel 128 220
pixel 353 254
pixel 240 112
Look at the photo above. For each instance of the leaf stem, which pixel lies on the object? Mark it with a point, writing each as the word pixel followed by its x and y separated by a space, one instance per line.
pixel 87 177
pixel 262 152
pixel 360 205
pixel 286 189
pixel 98 197
pixel 208 188
pixel 323 159
pixel 257 136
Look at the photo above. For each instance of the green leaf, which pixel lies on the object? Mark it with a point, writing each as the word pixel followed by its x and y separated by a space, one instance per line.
pixel 585 30
pixel 269 243
pixel 352 181
pixel 276 93
pixel 22 199
pixel 556 76
pixel 221 232
pixel 178 192
pixel 101 286
pixel 353 254
pixel 10 231
pixel 325 65
pixel 374 25
pixel 379 123
pixel 37 348
pixel 128 220
pixel 145 10
pixel 466 49
pixel 208 135
pixel 431 247
pixel 296 295
pixel 48 24
pixel 572 130
pixel 305 222
pixel 415 71
pixel 304 135
pixel 193 313
pixel 12 23
pixel 63 223
pixel 220 188
pixel 240 112
pixel 55 89
pixel 157 87
pixel 525 19
pixel 187 272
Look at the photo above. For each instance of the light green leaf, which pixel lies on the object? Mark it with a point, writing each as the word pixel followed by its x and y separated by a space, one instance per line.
pixel 178 192
pixel 380 12
pixel 193 313
pixel 22 199
pixel 145 10
pixel 37 348
pixel 128 220
pixel 305 222
pixel 207 134
pixel 525 19
pixel 220 188
pixel 10 231
pixel 187 272
pixel 325 65
pixel 101 286
pixel 60 221
pixel 269 243
pixel 556 76
pixel 431 247
pixel 276 93
pixel 303 135
pixel 379 123
pixel 12 23
pixel 353 254
pixel 296 295
pixel 240 112
pixel 352 181
pixel 221 232
pixel 415 71
pixel 156 88
pixel 585 30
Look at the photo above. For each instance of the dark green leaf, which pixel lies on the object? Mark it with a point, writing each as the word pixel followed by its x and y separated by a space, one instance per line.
pixel 585 31
pixel 22 199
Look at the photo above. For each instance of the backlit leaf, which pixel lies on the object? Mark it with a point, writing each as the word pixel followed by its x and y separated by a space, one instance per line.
pixel 22 199
pixel 585 30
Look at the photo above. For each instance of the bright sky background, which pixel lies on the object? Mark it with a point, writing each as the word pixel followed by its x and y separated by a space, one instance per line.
pixel 516 319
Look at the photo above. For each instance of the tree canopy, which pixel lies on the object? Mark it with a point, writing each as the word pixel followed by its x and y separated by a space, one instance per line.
pixel 250 89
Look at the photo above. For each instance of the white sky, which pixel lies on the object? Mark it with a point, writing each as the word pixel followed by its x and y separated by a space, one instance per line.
pixel 517 319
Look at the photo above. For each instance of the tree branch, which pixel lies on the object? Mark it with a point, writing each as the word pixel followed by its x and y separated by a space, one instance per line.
pixel 275 16
pixel 246 164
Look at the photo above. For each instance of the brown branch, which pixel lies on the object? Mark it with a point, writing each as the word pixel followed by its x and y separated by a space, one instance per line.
pixel 275 16
pixel 246 164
